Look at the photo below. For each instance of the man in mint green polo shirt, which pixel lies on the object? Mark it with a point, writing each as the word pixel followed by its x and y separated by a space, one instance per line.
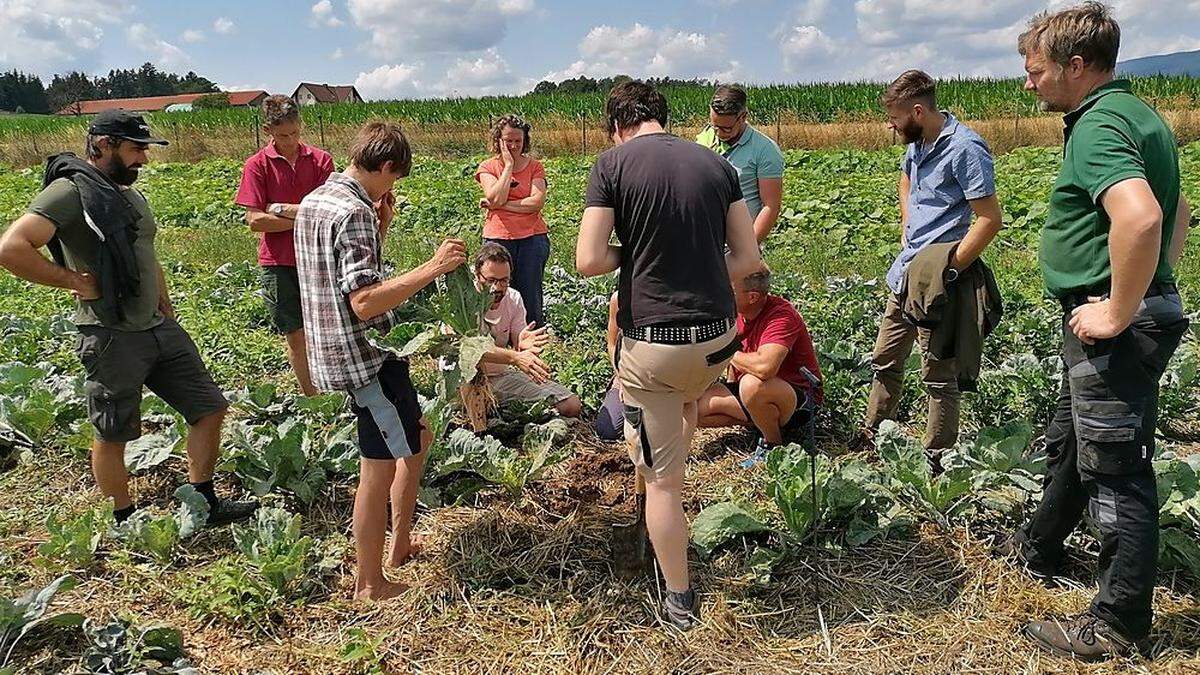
pixel 757 158
pixel 1117 224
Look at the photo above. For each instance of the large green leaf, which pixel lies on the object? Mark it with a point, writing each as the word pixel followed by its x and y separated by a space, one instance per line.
pixel 193 510
pixel 150 450
pixel 719 523
pixel 471 351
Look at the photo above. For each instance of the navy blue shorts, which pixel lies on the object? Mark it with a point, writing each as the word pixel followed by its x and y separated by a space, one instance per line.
pixel 389 415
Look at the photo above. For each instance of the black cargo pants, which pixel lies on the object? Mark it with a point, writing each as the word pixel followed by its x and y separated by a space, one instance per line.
pixel 1100 446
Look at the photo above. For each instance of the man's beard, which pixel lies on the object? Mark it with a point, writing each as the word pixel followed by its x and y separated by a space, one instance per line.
pixel 912 132
pixel 121 173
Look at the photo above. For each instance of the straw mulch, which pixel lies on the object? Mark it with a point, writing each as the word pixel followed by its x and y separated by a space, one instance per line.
pixel 527 587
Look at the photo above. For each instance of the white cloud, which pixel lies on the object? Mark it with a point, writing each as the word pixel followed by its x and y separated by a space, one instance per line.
pixel 192 36
pixel 337 54
pixel 487 75
pixel 884 37
pixel 224 25
pixel 642 51
pixel 46 36
pixel 164 53
pixel 322 15
pixel 389 82
pixel 435 26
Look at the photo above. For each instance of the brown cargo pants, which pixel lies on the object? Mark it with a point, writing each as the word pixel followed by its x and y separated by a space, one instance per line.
pixel 892 347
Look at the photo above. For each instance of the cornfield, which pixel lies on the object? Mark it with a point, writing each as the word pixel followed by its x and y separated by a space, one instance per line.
pixel 808 103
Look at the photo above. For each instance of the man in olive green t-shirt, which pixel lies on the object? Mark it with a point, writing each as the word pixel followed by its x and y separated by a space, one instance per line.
pixel 1116 225
pixel 129 339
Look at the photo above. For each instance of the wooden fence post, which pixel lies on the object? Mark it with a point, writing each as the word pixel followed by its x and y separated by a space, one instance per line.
pixel 777 125
pixel 1017 127
pixel 321 126
pixel 257 139
pixel 583 134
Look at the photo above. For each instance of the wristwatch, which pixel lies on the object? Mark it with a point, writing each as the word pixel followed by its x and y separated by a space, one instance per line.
pixel 277 209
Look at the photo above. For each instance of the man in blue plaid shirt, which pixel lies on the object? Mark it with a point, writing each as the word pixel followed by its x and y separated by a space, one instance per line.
pixel 345 295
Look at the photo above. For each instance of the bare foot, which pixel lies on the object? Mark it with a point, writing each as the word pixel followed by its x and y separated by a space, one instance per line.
pixel 389 589
pixel 402 554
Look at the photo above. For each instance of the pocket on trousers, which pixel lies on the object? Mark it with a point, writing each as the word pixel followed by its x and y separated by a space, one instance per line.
pixel 635 419
pixel 102 409
pixel 725 353
pixel 92 344
pixel 1109 433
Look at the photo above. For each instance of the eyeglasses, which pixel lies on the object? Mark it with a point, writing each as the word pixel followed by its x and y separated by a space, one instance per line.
pixel 503 281
pixel 729 129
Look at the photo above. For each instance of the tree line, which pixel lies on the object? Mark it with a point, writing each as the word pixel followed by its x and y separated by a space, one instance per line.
pixel 25 93
pixel 587 85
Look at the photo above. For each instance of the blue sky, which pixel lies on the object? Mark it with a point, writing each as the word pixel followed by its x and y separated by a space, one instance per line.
pixel 411 48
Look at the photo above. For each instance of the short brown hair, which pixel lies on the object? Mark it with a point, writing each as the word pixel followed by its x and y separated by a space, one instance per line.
pixel 378 143
pixel 728 99
pixel 633 102
pixel 516 123
pixel 493 252
pixel 1088 31
pixel 913 86
pixel 278 109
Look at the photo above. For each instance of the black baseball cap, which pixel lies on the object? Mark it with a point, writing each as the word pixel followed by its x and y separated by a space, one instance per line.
pixel 123 124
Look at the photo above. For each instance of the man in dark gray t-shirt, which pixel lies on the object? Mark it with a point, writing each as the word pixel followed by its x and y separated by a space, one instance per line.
pixel 675 207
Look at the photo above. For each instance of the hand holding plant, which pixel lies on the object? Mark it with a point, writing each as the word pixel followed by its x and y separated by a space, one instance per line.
pixel 451 254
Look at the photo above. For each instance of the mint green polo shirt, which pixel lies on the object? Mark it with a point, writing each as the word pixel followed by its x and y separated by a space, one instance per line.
pixel 1112 136
pixel 754 156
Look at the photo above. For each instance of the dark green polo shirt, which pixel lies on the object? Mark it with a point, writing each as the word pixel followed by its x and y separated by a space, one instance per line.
pixel 1112 136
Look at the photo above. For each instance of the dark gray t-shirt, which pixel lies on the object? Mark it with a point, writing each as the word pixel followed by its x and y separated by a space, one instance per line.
pixel 670 197
pixel 60 203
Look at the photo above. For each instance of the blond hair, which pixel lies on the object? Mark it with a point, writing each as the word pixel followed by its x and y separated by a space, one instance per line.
pixel 1088 31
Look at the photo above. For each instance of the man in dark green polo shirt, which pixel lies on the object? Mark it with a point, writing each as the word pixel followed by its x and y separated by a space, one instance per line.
pixel 1116 225
pixel 102 232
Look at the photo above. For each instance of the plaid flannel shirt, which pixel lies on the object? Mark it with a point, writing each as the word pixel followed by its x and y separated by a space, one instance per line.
pixel 337 252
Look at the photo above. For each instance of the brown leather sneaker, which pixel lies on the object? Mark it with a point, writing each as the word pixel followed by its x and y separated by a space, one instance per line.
pixel 1086 637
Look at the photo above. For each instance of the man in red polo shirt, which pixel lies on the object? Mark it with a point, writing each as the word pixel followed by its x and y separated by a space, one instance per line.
pixel 274 181
pixel 776 385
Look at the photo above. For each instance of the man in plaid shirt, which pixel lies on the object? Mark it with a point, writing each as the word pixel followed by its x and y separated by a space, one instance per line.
pixel 340 228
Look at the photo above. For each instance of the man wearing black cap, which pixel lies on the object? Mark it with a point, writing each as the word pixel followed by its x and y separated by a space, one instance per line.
pixel 101 234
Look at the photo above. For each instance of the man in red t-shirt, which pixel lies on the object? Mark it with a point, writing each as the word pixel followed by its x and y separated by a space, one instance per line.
pixel 776 382
pixel 274 181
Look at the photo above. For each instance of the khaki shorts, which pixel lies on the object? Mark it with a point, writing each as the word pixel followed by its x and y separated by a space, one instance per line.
pixel 513 385
pixel 660 385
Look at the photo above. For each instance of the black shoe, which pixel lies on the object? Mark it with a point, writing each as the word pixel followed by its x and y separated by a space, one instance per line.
pixel 1012 548
pixel 1087 637
pixel 226 511
pixel 682 609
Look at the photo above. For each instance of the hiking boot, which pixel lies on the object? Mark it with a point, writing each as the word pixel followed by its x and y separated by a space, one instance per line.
pixel 682 609
pixel 1087 637
pixel 1012 548
pixel 226 511
pixel 761 449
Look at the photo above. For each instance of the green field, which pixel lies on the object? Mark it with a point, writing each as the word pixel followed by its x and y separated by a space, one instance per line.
pixel 516 574
pixel 813 103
